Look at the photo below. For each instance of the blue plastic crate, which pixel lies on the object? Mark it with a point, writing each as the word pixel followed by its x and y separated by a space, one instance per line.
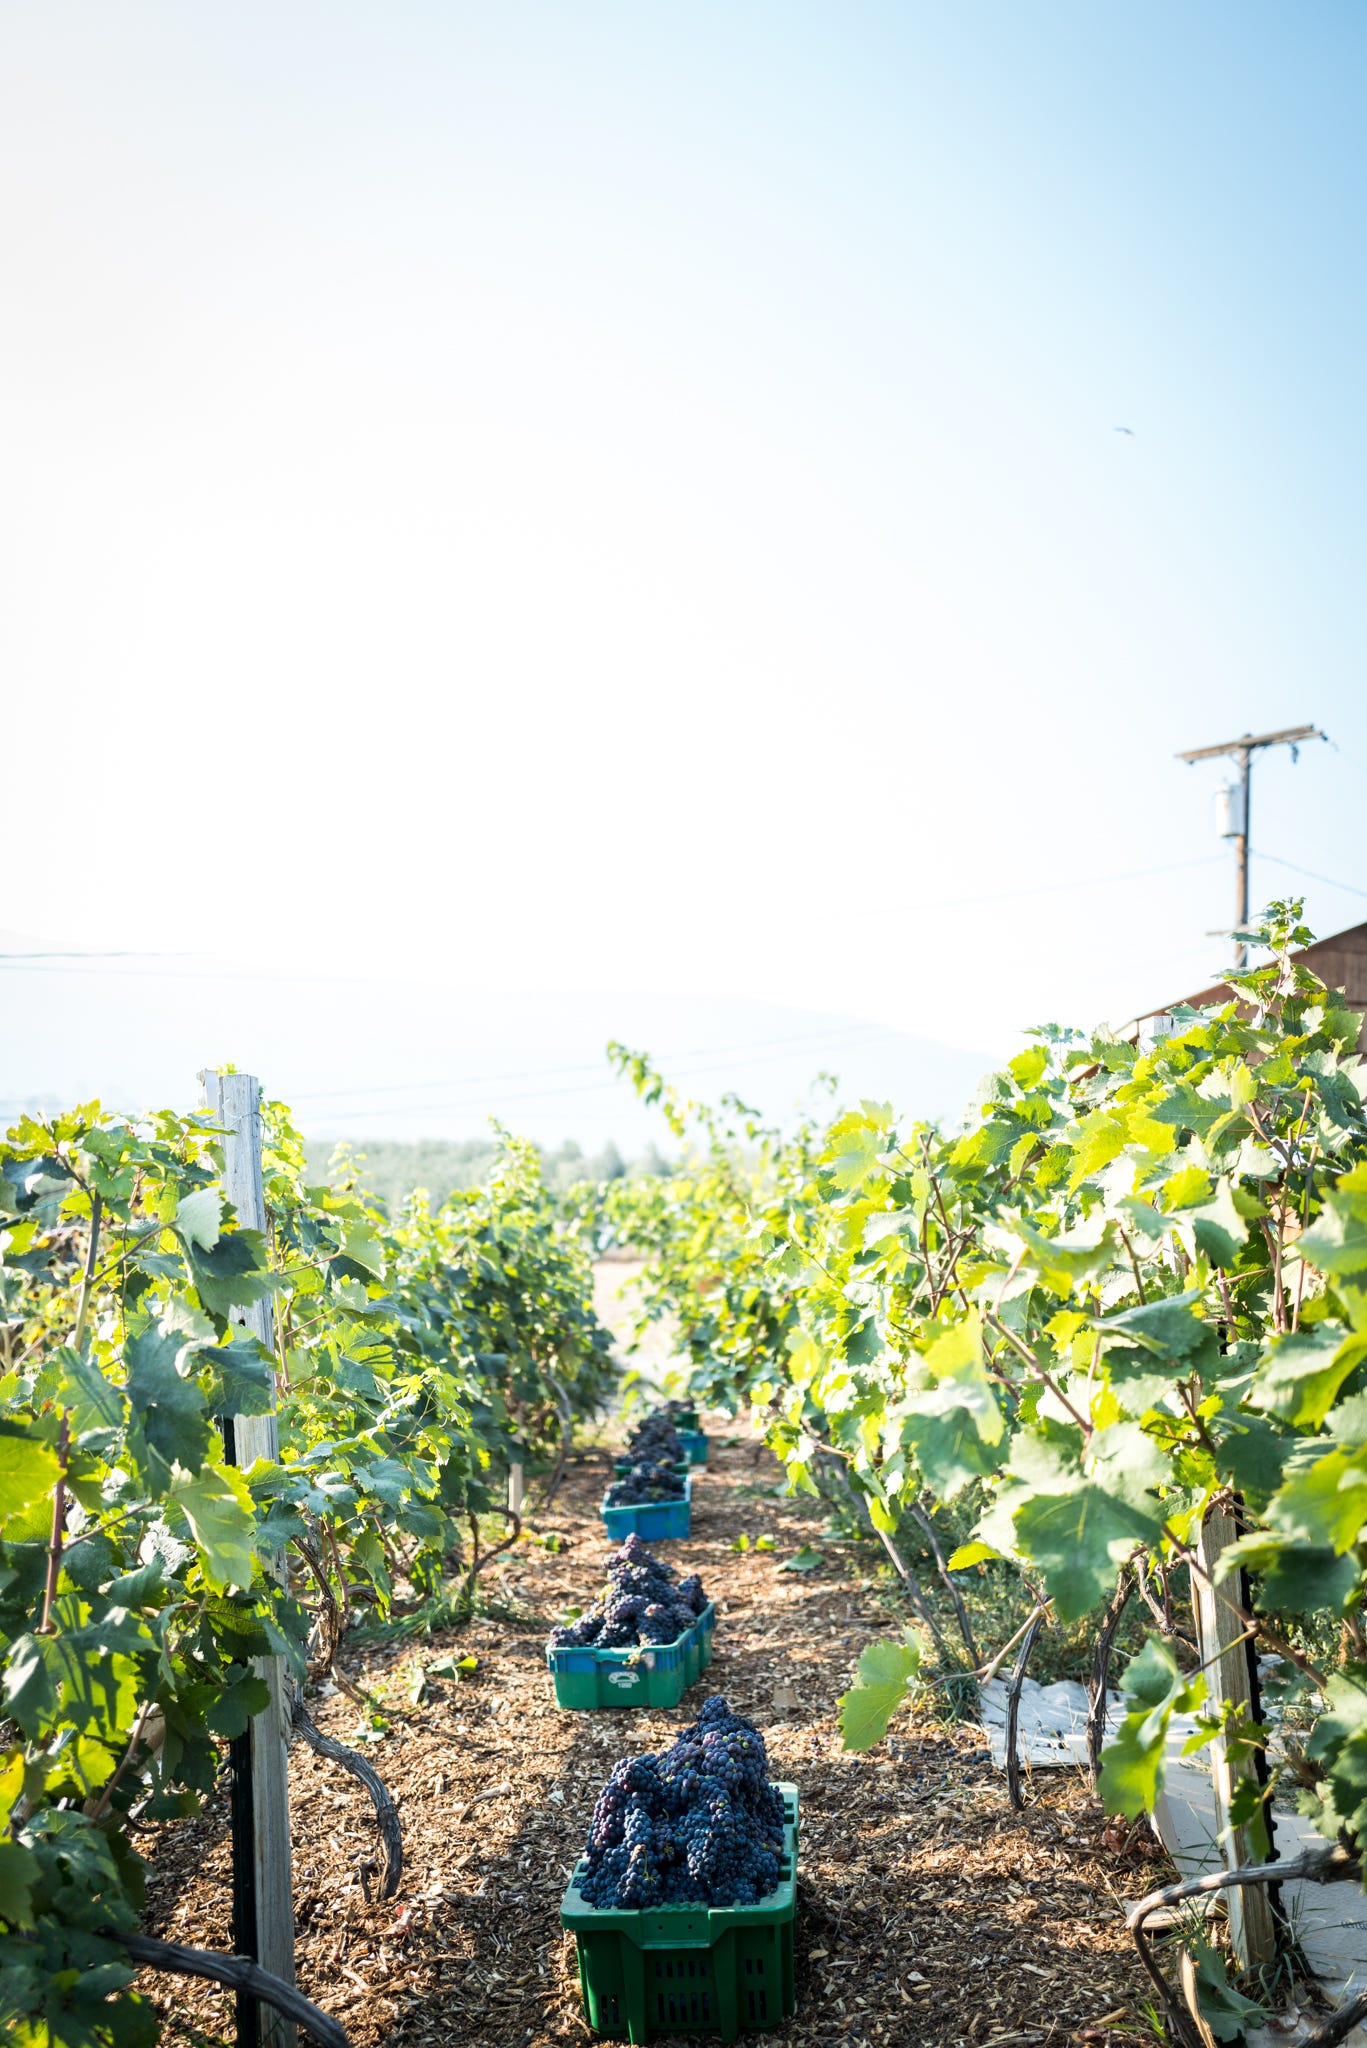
pixel 655 1521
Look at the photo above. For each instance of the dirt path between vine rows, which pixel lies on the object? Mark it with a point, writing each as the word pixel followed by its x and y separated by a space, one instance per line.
pixel 928 1911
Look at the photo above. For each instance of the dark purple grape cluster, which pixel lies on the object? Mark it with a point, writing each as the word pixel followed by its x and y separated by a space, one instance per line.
pixel 656 1441
pixel 699 1824
pixel 642 1604
pixel 643 1483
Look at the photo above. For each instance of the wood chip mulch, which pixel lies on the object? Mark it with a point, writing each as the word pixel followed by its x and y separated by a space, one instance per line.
pixel 928 1912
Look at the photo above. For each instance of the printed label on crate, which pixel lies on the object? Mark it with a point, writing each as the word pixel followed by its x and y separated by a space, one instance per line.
pixel 621 1678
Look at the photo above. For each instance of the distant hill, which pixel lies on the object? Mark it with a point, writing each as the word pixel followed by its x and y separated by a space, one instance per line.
pixel 411 1058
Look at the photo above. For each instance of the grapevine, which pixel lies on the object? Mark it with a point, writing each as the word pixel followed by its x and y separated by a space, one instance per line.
pixel 135 1582
pixel 1132 1287
pixel 1128 1292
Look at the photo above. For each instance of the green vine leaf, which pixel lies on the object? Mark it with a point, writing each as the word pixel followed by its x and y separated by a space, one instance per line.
pixel 887 1674
pixel 29 1471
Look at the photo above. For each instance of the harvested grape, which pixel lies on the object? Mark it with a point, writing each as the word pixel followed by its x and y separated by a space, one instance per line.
pixel 645 1483
pixel 699 1824
pixel 642 1604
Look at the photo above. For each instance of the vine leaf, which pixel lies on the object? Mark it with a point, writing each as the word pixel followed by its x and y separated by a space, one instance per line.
pixel 18 1876
pixel 804 1560
pixel 243 1378
pixel 853 1145
pixel 1077 1539
pixel 1218 1227
pixel 199 1218
pixel 233 1273
pixel 887 1672
pixel 219 1509
pixel 28 1473
pixel 950 1447
pixel 243 1695
pixel 1061 1263
pixel 1324 1503
pixel 1170 1329
pixel 1293 1578
pixel 170 1414
pixel 1337 1241
pixel 1300 1377
pixel 1132 1764
pixel 93 1401
pixel 362 1248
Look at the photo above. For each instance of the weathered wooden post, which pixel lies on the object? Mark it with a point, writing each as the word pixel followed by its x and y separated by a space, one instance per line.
pixel 263 1891
pixel 1228 1654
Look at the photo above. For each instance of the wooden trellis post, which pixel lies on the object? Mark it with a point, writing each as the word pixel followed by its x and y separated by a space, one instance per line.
pixel 1227 1652
pixel 263 1890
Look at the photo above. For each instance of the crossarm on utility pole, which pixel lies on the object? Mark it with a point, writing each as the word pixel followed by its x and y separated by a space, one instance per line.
pixel 1291 736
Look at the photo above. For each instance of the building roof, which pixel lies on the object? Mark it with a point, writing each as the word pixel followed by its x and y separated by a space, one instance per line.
pixel 1340 962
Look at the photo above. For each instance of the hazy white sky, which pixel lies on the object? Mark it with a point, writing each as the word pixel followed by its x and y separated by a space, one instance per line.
pixel 580 498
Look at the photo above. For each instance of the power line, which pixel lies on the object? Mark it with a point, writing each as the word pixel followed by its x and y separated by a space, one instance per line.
pixel 105 953
pixel 819 1033
pixel 1310 874
pixel 1078 882
pixel 20 963
pixel 476 1102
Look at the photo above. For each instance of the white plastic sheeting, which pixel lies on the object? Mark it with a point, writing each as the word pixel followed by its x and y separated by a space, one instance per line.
pixel 1330 1920
pixel 1051 1728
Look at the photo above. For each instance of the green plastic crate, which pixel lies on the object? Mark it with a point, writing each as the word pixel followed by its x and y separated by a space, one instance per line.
pixel 688 1969
pixel 654 1675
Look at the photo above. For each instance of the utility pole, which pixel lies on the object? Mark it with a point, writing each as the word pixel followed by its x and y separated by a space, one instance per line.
pixel 1235 826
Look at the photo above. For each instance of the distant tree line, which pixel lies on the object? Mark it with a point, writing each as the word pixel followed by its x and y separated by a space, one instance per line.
pixel 390 1169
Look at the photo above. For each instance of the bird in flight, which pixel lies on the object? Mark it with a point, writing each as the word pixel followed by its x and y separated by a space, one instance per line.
pixel 1124 430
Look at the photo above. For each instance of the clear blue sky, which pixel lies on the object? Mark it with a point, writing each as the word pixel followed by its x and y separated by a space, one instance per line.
pixel 599 497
